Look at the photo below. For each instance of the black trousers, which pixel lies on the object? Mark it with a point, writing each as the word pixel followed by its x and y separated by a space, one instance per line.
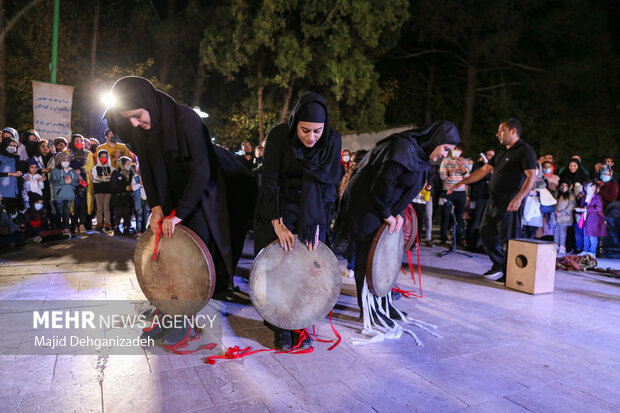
pixel 497 227
pixel 362 248
pixel 458 198
pixel 473 231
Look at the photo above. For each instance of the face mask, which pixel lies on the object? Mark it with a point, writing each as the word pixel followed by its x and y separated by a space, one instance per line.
pixel 64 164
pixel 38 207
pixel 456 154
pixel 605 178
pixel 547 171
pixel 128 167
pixel 469 167
pixel 11 149
pixel 103 161
pixel 114 139
pixel 346 158
pixel 79 145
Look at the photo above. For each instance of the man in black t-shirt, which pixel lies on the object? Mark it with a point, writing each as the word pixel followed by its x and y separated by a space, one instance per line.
pixel 514 175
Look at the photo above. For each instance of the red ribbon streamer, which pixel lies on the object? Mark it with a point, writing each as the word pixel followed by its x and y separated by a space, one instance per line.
pixel 408 293
pixel 158 234
pixel 176 348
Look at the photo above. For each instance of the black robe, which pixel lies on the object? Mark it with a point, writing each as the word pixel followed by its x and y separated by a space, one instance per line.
pixel 298 184
pixel 389 177
pixel 182 170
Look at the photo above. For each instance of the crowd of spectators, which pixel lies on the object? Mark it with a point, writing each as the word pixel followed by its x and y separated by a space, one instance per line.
pixel 569 205
pixel 55 189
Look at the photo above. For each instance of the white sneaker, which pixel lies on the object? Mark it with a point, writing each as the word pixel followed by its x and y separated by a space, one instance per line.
pixel 37 239
pixel 350 274
pixel 562 250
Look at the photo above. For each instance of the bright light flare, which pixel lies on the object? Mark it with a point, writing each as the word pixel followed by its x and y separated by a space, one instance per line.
pixel 200 112
pixel 107 99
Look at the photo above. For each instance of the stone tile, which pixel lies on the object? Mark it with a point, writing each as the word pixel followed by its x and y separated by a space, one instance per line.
pixel 467 380
pixel 245 406
pixel 602 342
pixel 495 406
pixel 176 390
pixel 77 398
pixel 25 374
pixel 402 390
pixel 330 397
pixel 523 364
pixel 602 384
pixel 556 397
pixel 230 381
pixel 322 366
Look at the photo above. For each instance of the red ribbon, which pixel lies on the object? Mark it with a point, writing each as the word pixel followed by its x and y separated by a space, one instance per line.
pixel 176 348
pixel 408 293
pixel 158 234
pixel 338 338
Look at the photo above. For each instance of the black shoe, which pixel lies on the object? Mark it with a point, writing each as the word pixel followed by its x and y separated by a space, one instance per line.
pixel 396 295
pixel 117 232
pixel 176 335
pixel 501 280
pixel 306 343
pixel 494 273
pixel 155 333
pixel 282 340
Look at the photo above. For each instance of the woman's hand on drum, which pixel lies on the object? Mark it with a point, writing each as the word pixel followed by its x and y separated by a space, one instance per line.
pixel 168 226
pixel 312 245
pixel 394 223
pixel 286 237
pixel 157 214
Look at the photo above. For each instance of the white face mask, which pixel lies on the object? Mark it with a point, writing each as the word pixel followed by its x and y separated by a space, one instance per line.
pixel 38 207
pixel 11 149
pixel 456 154
pixel 346 158
pixel 65 164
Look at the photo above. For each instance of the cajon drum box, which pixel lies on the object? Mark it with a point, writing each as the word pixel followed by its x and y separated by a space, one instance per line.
pixel 531 265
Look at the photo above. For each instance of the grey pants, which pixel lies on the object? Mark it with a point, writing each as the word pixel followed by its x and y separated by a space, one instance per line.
pixel 103 208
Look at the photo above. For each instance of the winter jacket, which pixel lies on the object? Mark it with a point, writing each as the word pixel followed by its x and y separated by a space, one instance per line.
pixel 61 190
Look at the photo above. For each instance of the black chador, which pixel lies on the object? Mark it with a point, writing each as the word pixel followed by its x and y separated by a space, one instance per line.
pixel 385 182
pixel 182 170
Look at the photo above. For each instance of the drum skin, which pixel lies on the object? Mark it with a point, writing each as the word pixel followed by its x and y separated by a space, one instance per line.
pixel 294 289
pixel 384 260
pixel 182 279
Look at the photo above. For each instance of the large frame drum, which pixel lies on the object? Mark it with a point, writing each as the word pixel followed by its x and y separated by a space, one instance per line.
pixel 384 260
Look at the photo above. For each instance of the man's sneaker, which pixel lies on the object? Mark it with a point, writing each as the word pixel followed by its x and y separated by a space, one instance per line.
pixel 562 250
pixel 501 280
pixel 494 273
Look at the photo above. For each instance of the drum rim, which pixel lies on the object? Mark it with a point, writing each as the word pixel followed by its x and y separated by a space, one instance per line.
pixel 413 235
pixel 370 259
pixel 203 248
pixel 250 277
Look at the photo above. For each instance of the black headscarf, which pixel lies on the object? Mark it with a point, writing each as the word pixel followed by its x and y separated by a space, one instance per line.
pixel 5 143
pixel 320 164
pixel 412 148
pixel 578 176
pixel 133 92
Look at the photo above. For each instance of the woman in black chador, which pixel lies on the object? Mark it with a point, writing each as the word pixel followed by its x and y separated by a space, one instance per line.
pixel 301 172
pixel 183 171
pixel 386 181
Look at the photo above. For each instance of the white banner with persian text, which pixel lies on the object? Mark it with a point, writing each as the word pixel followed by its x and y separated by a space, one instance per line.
pixel 51 104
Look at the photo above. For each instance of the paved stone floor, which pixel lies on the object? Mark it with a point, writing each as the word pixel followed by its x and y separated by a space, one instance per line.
pixel 500 350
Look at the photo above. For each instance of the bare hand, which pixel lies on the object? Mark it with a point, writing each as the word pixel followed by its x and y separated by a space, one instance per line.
pixel 286 237
pixel 67 179
pixel 27 177
pixel 15 174
pixel 312 245
pixel 168 226
pixel 399 223
pixel 391 221
pixel 43 179
pixel 514 205
pixel 156 215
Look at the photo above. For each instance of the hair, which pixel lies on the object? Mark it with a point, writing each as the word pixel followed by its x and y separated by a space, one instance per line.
pixel 359 155
pixel 608 157
pixel 107 131
pixel 513 123
pixel 60 139
pixel 549 162
pixel 548 153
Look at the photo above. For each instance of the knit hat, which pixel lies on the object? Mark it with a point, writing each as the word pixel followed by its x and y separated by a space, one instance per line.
pixel 61 157
pixel 32 161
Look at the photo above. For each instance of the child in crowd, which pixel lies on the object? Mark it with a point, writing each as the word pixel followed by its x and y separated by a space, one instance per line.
pixel 10 235
pixel 141 208
pixel 33 182
pixel 563 214
pixel 36 222
pixel 121 200
pixel 63 180
pixel 101 173
pixel 592 219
